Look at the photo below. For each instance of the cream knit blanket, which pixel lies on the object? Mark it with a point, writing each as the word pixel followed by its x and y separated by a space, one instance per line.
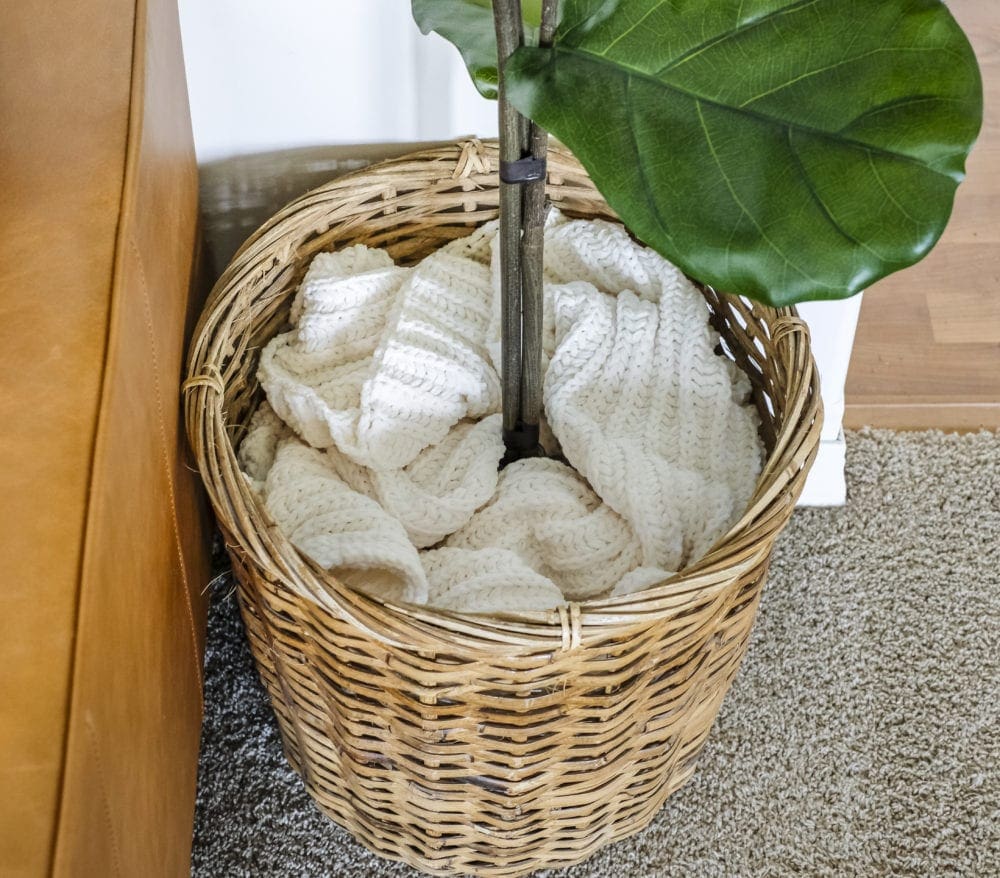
pixel 377 454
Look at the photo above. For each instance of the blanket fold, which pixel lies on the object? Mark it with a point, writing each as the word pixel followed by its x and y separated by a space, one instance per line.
pixel 382 436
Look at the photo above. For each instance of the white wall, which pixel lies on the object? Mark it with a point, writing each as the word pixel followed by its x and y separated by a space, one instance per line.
pixel 273 74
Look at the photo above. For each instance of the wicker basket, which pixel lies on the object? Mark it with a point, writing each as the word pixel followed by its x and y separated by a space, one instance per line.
pixel 458 744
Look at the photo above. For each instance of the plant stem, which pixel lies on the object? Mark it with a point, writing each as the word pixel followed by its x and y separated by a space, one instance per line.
pixel 507 20
pixel 532 252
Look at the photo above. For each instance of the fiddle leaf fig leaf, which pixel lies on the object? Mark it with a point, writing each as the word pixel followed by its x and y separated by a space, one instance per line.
pixel 468 24
pixel 782 149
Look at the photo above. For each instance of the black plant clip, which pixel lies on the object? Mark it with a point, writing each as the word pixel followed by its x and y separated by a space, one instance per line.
pixel 525 170
pixel 520 443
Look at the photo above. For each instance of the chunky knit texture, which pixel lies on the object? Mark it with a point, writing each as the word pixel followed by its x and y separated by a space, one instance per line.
pixel 260 445
pixel 641 403
pixel 391 375
pixel 341 529
pixel 385 360
pixel 549 516
pixel 440 490
pixel 490 580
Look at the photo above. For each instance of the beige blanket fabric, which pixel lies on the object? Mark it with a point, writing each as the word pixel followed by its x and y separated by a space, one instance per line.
pixel 378 453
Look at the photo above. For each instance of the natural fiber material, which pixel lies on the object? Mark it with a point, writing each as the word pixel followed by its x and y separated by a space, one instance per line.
pixel 465 745
pixel 859 738
pixel 432 497
pixel 340 528
pixel 442 488
pixel 659 421
pixel 349 376
pixel 551 517
pixel 491 580
pixel 641 404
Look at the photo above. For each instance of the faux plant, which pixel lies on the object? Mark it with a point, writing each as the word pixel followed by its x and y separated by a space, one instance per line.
pixel 785 150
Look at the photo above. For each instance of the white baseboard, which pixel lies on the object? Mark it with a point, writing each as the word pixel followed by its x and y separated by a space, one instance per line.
pixel 826 485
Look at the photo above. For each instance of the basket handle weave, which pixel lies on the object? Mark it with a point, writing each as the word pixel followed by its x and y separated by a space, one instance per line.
pixel 786 325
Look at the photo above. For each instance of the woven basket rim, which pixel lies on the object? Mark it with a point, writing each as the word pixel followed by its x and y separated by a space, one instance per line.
pixel 741 548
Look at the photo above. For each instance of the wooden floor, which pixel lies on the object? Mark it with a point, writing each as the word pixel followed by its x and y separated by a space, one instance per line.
pixel 927 352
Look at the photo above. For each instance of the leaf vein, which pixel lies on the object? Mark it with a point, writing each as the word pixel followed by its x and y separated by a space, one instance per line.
pixel 811 186
pixel 694 51
pixel 889 195
pixel 835 136
pixel 631 28
pixel 840 63
pixel 897 103
pixel 733 194
pixel 640 164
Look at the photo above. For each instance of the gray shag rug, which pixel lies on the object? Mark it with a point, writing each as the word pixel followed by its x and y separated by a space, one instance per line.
pixel 861 736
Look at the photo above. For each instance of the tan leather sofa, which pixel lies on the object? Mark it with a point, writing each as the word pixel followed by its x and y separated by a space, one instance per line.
pixel 102 532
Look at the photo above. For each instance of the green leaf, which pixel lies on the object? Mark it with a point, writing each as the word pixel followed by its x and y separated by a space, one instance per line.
pixel 468 24
pixel 782 149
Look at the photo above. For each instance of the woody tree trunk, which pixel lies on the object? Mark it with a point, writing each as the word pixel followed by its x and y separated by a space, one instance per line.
pixel 523 146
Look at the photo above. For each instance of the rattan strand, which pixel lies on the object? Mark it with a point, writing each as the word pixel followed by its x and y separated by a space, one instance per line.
pixel 467 745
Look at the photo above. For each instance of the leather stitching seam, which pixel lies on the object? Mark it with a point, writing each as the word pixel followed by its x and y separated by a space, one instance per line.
pixel 166 465
pixel 95 747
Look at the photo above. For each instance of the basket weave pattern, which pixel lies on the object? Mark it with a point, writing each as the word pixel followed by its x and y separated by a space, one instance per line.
pixel 457 744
